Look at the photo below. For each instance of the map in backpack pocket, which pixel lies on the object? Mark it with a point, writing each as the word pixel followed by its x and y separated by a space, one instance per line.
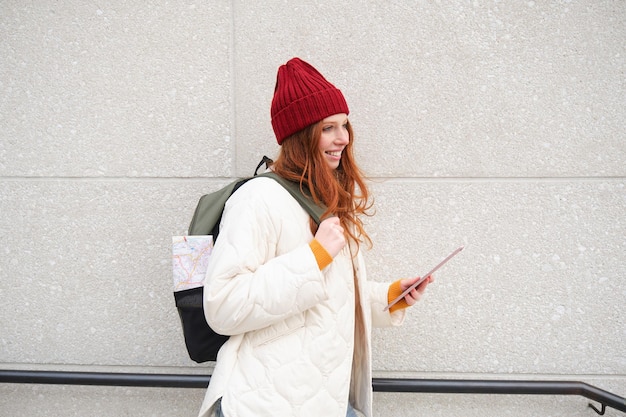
pixel 190 257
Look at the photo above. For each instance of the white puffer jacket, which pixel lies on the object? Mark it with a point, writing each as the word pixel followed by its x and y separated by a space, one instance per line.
pixel 292 326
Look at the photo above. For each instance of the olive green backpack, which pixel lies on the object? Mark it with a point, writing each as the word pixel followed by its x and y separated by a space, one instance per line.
pixel 201 341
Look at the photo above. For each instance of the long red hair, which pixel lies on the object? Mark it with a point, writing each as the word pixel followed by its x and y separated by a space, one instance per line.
pixel 343 190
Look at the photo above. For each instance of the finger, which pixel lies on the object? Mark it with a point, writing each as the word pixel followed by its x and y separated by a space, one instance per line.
pixel 407 282
pixel 412 298
pixel 334 220
pixel 422 287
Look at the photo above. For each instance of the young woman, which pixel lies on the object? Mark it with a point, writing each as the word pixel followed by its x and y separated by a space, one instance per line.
pixel 294 297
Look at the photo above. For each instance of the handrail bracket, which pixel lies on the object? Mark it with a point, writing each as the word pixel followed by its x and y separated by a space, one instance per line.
pixel 601 411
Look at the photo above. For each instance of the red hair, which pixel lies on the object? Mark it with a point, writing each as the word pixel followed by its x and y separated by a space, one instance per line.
pixel 343 190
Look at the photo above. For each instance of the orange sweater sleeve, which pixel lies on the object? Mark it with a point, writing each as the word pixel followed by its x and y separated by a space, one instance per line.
pixel 394 292
pixel 322 256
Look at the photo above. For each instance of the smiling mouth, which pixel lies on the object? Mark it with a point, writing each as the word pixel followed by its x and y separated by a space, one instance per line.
pixel 336 154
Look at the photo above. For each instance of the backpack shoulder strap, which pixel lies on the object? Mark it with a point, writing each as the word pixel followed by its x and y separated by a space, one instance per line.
pixel 210 207
pixel 208 213
pixel 315 211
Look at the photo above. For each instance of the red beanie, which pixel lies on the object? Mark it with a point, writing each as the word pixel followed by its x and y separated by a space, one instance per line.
pixel 302 96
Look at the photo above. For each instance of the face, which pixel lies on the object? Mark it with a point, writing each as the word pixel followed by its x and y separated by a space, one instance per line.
pixel 334 138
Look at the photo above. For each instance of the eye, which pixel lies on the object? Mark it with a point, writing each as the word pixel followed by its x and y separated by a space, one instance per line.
pixel 327 128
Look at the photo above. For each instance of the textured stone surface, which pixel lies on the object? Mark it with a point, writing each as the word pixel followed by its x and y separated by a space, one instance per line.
pixel 496 125
pixel 91 263
pixel 453 89
pixel 535 289
pixel 115 89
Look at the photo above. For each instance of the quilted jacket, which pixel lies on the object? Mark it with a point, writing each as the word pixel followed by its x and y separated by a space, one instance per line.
pixel 295 349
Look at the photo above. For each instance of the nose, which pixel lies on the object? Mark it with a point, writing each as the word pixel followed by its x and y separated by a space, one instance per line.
pixel 343 137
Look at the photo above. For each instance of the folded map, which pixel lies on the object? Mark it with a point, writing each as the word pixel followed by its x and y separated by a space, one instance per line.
pixel 190 257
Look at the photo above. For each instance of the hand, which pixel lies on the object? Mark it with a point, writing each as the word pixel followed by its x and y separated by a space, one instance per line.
pixel 330 236
pixel 416 293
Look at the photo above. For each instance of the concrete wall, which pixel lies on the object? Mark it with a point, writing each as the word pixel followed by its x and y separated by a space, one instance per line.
pixel 494 124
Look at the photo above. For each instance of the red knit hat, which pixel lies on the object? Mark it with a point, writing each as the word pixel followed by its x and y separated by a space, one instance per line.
pixel 302 96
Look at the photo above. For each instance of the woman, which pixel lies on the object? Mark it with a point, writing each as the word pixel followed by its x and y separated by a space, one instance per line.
pixel 293 297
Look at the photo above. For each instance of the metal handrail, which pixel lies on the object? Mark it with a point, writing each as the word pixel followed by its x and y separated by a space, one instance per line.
pixel 443 386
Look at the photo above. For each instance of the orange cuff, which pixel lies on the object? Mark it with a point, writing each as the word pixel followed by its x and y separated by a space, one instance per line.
pixel 394 292
pixel 322 256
